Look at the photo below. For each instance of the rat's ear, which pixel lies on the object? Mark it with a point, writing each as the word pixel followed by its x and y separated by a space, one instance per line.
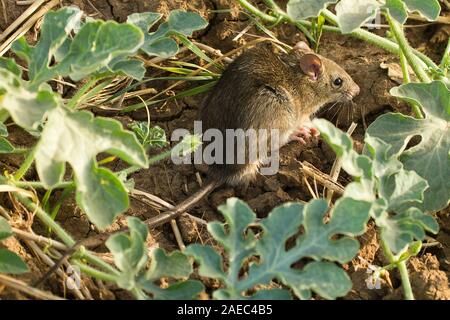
pixel 302 46
pixel 311 65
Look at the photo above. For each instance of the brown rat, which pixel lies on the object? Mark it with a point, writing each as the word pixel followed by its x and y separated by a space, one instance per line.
pixel 263 90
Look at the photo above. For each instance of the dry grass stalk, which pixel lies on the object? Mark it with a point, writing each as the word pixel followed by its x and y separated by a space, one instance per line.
pixel 23 287
pixel 5 46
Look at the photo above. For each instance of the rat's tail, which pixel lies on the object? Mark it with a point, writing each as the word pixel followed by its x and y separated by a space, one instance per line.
pixel 183 206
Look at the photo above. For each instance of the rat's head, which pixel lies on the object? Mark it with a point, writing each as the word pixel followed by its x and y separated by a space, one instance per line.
pixel 326 77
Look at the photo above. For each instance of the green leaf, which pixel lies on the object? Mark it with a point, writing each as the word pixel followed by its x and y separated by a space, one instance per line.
pixel 5 229
pixel 238 243
pixel 352 14
pixel 5 146
pixel 272 294
pixel 430 9
pixel 302 9
pixel 159 42
pixel 153 137
pixel 397 10
pixel 94 47
pixel 11 263
pixel 185 290
pixel 401 230
pixel 211 263
pixel 383 164
pixel 318 242
pixel 430 158
pixel 10 65
pixel 341 143
pixel 99 192
pixel 174 265
pixel 55 28
pixel 3 130
pixel 26 107
pixel 131 68
pixel 403 190
pixel 130 252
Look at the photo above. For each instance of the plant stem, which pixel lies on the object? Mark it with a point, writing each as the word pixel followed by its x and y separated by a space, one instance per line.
pixel 446 56
pixel 406 79
pixel 362 34
pixel 63 235
pixel 40 185
pixel 407 290
pixel 131 170
pixel 281 15
pixel 25 165
pixel 94 272
pixel 159 157
pixel 399 34
pixel 74 100
pixel 47 220
pixel 252 9
pixel 401 265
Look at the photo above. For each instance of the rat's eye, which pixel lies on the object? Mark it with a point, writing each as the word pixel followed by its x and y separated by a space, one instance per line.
pixel 337 83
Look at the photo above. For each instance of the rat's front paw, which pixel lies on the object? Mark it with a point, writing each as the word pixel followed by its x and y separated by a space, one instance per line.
pixel 304 134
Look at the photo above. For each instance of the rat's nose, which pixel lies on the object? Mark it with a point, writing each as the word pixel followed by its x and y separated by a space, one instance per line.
pixel 355 90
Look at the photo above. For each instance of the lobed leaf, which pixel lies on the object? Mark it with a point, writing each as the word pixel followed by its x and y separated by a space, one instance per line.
pixel 26 107
pixel 98 46
pixel 430 158
pixel 302 9
pixel 341 143
pixel 130 252
pixel 131 255
pixel 275 261
pixel 153 137
pixel 68 137
pixel 397 10
pixel 160 43
pixel 430 9
pixel 175 265
pixel 351 14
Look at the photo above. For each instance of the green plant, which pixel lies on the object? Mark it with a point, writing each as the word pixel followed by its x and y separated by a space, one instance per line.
pixel 9 261
pixel 390 172
pixel 267 257
pixel 97 51
pixel 393 194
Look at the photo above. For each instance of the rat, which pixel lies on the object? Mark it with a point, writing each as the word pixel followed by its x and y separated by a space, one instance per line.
pixel 264 90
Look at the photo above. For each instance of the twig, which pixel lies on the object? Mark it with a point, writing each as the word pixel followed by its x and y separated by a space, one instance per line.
pixel 321 177
pixel 58 263
pixel 40 239
pixel 209 49
pixel 23 287
pixel 165 204
pixel 25 2
pixel 26 26
pixel 50 263
pixel 27 13
pixel 310 189
pixel 177 233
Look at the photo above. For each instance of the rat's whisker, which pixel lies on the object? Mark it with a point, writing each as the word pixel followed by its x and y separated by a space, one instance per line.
pixel 338 110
